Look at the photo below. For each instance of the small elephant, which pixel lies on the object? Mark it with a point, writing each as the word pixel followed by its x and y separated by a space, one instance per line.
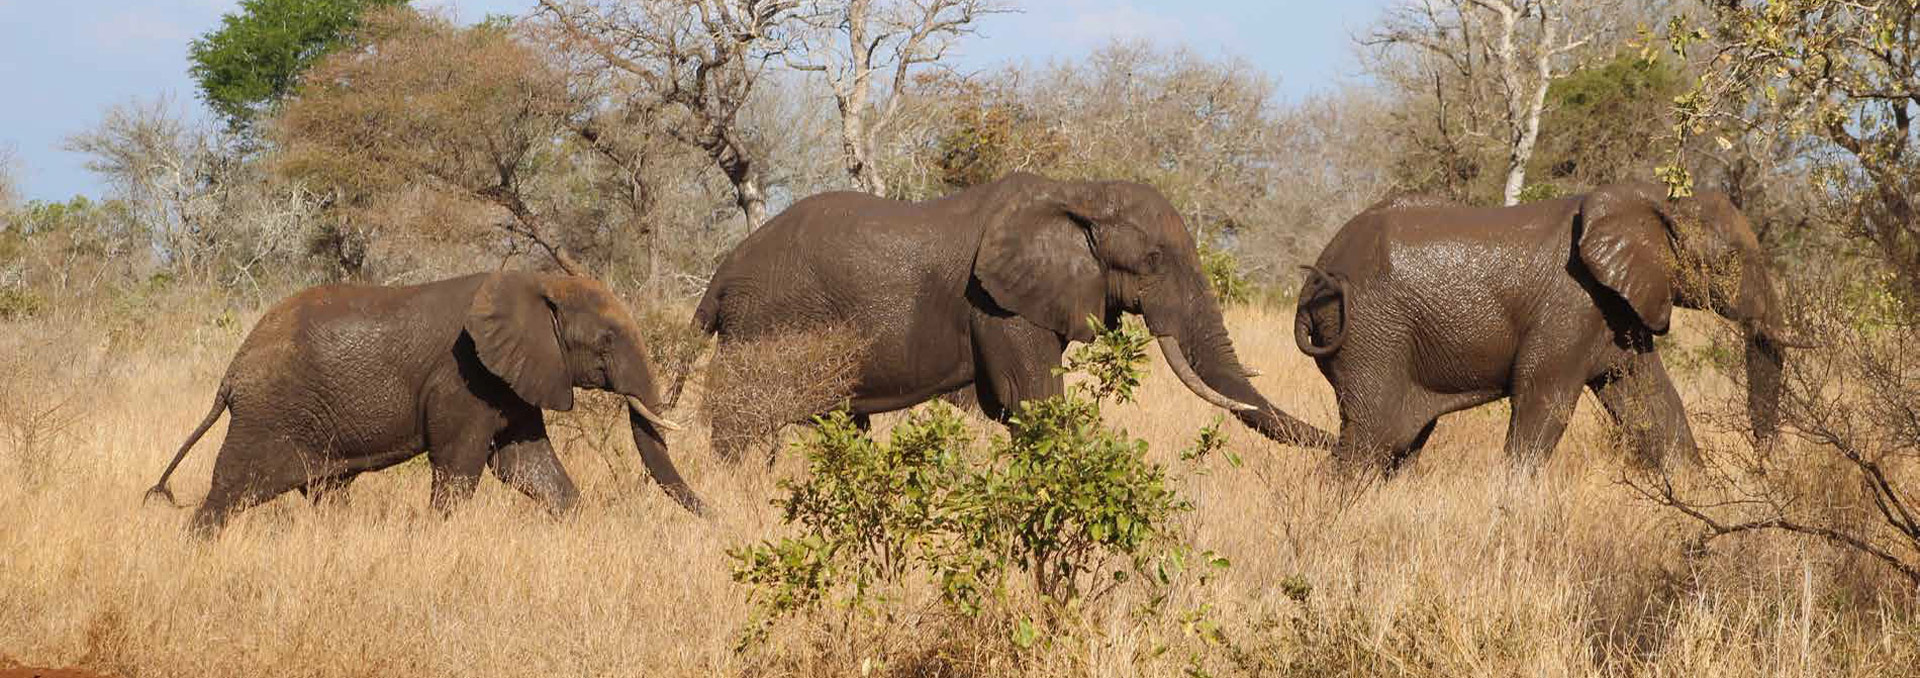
pixel 342 379
pixel 1417 308
pixel 984 288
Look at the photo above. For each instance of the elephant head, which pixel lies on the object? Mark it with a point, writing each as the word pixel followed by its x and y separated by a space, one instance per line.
pixel 1058 252
pixel 544 335
pixel 1696 252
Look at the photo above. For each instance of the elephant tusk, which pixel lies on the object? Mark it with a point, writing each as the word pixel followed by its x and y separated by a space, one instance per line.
pixel 1253 373
pixel 650 416
pixel 1177 360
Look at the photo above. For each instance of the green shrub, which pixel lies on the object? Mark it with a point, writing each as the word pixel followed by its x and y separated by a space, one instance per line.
pixel 1063 503
pixel 1224 276
pixel 1540 191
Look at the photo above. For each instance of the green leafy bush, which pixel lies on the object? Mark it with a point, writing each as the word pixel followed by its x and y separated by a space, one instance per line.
pixel 1064 503
pixel 1540 191
pixel 1224 276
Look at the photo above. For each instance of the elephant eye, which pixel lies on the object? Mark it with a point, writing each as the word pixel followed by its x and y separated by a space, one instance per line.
pixel 1153 261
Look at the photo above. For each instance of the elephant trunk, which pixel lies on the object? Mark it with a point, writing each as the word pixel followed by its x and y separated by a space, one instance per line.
pixel 1758 308
pixel 1765 364
pixel 1194 339
pixel 633 378
pixel 652 444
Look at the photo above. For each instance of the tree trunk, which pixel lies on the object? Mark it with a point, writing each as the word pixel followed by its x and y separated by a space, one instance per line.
pixel 854 141
pixel 853 95
pixel 752 202
pixel 1530 122
pixel 740 170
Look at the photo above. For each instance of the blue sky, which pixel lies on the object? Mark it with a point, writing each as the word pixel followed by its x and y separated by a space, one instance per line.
pixel 63 62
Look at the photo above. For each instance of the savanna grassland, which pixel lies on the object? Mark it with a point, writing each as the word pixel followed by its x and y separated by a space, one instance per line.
pixel 1457 568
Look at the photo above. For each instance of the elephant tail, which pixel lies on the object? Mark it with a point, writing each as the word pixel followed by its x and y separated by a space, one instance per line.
pixel 706 317
pixel 706 322
pixel 220 401
pixel 1320 284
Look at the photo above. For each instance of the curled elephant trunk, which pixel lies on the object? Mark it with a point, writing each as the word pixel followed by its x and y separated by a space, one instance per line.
pixel 652 445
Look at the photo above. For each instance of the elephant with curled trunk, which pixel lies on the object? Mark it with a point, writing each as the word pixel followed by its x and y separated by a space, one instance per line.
pixel 985 287
pixel 342 379
pixel 1418 308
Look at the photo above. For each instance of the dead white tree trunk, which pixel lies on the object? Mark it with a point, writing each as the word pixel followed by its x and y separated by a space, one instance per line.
pixel 856 43
pixel 697 57
pixel 1525 100
pixel 1524 60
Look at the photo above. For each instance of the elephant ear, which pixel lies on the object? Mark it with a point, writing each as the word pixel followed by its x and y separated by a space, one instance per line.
pixel 517 335
pixel 1626 243
pixel 1038 261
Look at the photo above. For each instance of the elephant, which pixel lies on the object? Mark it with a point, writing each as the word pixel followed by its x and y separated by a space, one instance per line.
pixel 1417 308
pixel 985 288
pixel 339 380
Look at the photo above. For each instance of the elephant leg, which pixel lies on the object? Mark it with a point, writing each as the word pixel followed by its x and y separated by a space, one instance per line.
pixel 1013 363
pixel 458 448
pixel 1398 458
pixel 247 472
pixel 523 458
pixel 322 489
pixel 1384 421
pixel 1641 399
pixel 1541 406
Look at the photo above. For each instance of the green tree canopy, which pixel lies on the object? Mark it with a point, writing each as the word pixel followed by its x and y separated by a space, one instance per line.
pixel 253 60
pixel 1599 119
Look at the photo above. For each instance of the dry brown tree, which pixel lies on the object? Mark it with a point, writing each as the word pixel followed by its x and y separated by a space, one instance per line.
pixel 9 182
pixel 755 388
pixel 691 64
pixel 861 45
pixel 1833 83
pixel 1846 467
pixel 1483 67
pixel 163 169
pixel 421 102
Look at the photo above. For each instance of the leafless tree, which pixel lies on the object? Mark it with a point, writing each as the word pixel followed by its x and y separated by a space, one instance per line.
pixel 696 60
pixel 469 111
pixel 859 45
pixel 9 189
pixel 165 170
pixel 1492 60
pixel 1848 469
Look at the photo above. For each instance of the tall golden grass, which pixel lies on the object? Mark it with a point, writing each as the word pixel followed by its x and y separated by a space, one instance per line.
pixel 1455 569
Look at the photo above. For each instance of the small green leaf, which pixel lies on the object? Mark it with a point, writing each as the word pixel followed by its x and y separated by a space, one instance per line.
pixel 1023 633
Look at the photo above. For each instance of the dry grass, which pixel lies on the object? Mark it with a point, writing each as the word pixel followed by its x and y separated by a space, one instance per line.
pixel 753 388
pixel 1453 570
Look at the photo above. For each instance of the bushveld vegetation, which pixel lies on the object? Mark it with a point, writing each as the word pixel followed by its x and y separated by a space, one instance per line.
pixel 1108 532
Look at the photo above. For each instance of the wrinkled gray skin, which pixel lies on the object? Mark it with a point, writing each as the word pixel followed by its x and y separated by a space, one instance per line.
pixel 1417 308
pixel 342 379
pixel 985 287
